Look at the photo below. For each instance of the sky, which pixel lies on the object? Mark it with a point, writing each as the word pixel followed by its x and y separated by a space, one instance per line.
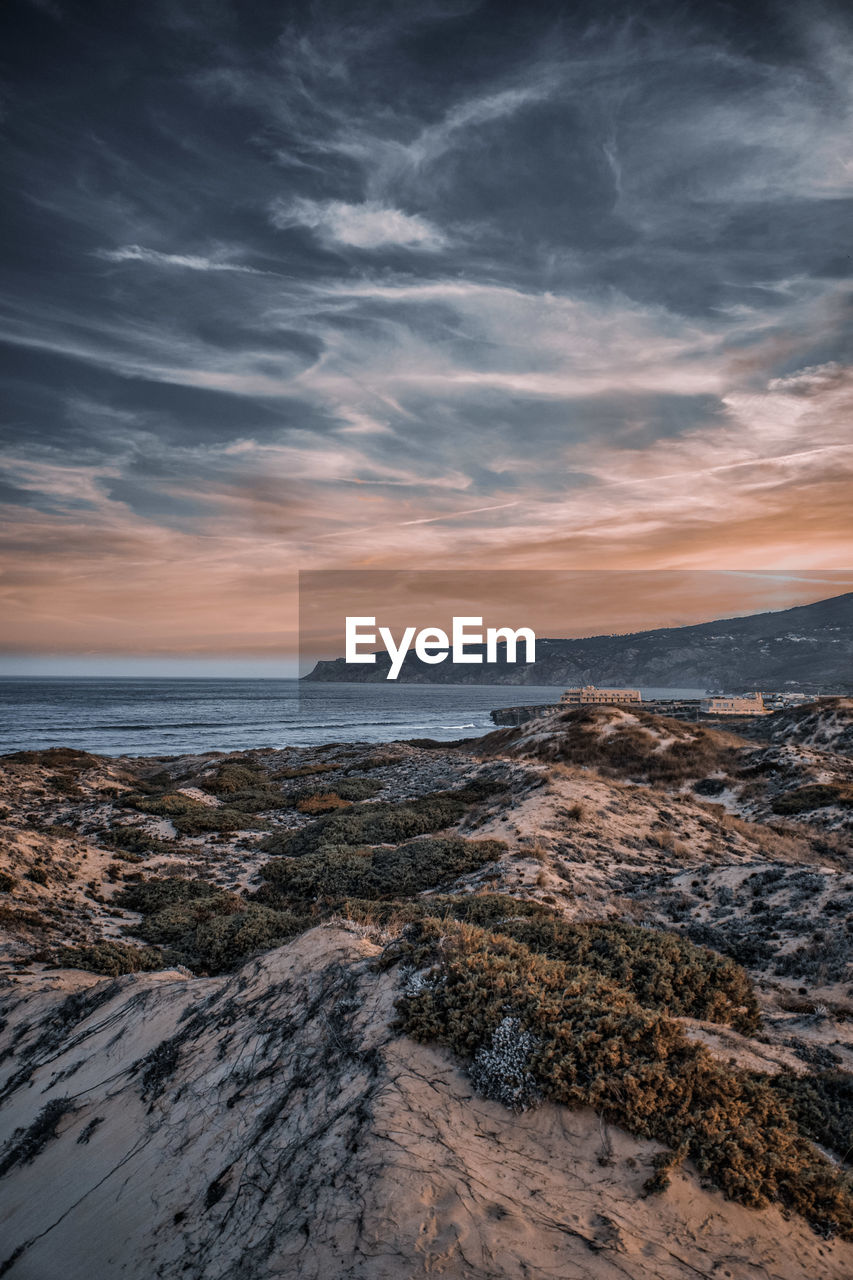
pixel 413 285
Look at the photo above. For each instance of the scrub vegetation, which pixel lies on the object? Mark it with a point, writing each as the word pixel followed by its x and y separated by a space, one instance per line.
pixel 591 1042
pixel 197 924
pixel 382 823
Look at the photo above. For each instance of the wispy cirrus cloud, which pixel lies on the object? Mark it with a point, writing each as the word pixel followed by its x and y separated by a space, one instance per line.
pixel 361 226
pixel 190 261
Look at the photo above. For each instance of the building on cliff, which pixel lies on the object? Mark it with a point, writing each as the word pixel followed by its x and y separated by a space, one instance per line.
pixel 588 693
pixel 747 704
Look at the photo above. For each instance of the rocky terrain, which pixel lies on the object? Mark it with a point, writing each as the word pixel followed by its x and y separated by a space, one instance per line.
pixel 807 648
pixel 572 1000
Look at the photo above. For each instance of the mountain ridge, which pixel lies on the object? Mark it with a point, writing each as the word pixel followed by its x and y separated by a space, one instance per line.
pixel 805 648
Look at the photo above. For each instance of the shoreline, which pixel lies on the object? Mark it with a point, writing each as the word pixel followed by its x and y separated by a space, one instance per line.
pixel 166 921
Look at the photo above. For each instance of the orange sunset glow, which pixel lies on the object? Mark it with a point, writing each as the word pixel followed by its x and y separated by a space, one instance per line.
pixel 525 327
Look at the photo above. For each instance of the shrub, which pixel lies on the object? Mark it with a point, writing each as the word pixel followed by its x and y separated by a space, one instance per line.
pixel 173 908
pixel 7 882
pixel 822 1105
pixel 16 918
pixel 486 909
pixel 134 841
pixel 245 788
pixel 258 800
pixel 381 823
pixel 328 802
pixel 736 938
pixel 192 817
pixel 594 1045
pixel 203 926
pixel 817 795
pixel 500 1070
pixel 307 771
pixel 110 958
pixel 623 746
pixel 344 872
pixel 629 747
pixel 664 971
pixel 355 788
pixel 233 777
pixel 222 942
pixel 709 786
pixel 153 894
pixel 66 785
pixel 661 970
pixel 819 961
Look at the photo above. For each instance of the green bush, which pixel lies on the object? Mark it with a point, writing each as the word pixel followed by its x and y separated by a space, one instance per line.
pixel 486 909
pixel 245 788
pixel 66 785
pixel 205 927
pixel 393 914
pixel 254 801
pixel 173 908
pixel 192 817
pixel 233 777
pixel 344 872
pixel 382 823
pixel 222 942
pixel 822 1105
pixel 817 795
pixel 110 958
pixel 134 840
pixel 595 1045
pixel 662 970
pixel 153 894
pixel 346 788
pixel 306 771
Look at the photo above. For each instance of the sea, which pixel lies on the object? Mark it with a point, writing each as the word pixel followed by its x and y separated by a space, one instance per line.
pixel 165 717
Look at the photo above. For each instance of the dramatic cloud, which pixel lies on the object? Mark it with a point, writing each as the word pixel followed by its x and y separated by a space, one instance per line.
pixel 437 284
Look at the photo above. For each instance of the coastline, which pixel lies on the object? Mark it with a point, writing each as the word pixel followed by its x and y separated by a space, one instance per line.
pixel 264 937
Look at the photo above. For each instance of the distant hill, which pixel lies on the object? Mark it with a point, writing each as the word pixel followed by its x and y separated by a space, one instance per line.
pixel 807 648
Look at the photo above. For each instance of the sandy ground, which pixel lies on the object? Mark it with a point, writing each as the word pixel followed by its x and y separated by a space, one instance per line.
pixel 270 1124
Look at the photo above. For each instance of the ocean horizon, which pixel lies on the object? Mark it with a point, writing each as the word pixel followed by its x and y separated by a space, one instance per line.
pixel 154 716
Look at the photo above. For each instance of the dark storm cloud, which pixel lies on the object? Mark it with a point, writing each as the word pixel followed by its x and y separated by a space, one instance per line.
pixel 414 258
